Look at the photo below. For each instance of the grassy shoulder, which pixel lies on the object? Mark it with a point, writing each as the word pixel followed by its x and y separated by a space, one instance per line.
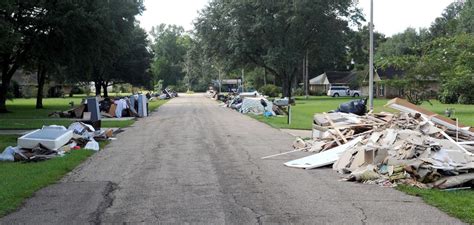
pixel 153 105
pixel 459 204
pixel 24 115
pixel 20 180
pixel 303 111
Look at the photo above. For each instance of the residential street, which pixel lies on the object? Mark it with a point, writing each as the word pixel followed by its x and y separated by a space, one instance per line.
pixel 195 162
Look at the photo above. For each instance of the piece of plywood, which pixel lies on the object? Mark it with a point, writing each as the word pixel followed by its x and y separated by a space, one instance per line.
pixel 87 116
pixel 405 106
pixel 112 109
pixel 323 158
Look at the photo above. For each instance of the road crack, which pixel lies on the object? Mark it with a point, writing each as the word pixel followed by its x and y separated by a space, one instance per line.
pixel 257 216
pixel 96 217
pixel 364 219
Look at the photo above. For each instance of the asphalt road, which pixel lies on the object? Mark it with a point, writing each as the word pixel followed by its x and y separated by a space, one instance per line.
pixel 195 162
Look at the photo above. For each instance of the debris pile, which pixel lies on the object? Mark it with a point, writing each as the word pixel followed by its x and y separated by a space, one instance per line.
pixel 167 94
pixel 55 141
pixel 414 147
pixel 250 102
pixel 132 106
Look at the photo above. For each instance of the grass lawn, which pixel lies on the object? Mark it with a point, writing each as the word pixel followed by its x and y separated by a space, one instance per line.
pixel 459 204
pixel 24 115
pixel 155 104
pixel 20 180
pixel 303 111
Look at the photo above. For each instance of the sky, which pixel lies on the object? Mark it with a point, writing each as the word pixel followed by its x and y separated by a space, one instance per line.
pixel 179 12
pixel 390 16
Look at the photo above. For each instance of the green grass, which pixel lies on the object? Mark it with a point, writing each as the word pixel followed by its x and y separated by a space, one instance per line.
pixel 155 104
pixel 459 204
pixel 303 111
pixel 24 115
pixel 20 180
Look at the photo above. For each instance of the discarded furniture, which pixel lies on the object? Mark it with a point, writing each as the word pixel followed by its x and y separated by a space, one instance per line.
pixel 50 138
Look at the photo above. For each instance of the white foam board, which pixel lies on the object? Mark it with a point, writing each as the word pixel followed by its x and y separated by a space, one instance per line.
pixel 323 158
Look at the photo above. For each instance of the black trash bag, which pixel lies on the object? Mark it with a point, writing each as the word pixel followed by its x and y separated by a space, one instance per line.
pixel 264 104
pixel 358 107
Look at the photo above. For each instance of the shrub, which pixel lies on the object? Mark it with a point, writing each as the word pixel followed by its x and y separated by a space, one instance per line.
pixel 270 90
pixel 298 92
pixel 448 97
pixel 466 99
pixel 77 90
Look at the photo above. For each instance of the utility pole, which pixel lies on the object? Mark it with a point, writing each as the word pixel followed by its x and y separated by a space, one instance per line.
pixel 220 81
pixel 371 57
pixel 304 73
pixel 306 81
pixel 243 73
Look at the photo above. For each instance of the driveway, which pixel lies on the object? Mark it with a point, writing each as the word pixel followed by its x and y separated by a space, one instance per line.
pixel 195 162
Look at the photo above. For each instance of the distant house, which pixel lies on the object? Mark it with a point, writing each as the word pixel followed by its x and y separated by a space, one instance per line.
pixel 228 85
pixel 324 81
pixel 25 84
pixel 384 91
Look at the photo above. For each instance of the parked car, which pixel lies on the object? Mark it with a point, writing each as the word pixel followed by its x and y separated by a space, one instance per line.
pixel 337 91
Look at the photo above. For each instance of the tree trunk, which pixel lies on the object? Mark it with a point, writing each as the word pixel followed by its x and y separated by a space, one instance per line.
pixel 98 87
pixel 3 96
pixel 264 76
pixel 105 84
pixel 286 87
pixel 41 76
pixel 7 74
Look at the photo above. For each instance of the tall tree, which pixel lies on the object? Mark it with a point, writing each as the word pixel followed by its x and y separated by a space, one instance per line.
pixel 466 18
pixel 133 66
pixel 276 35
pixel 359 46
pixel 169 47
pixel 116 23
pixel 20 22
pixel 409 42
pixel 49 47
pixel 447 23
pixel 86 37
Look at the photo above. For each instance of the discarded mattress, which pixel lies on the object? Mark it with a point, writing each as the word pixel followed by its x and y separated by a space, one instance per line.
pixel 50 138
pixel 324 158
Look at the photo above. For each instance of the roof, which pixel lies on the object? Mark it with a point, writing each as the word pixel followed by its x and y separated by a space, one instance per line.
pixel 25 78
pixel 231 81
pixel 390 73
pixel 334 77
pixel 321 79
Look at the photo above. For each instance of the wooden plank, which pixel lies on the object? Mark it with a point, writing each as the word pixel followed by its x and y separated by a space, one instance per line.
pixel 335 139
pixel 336 129
pixel 283 153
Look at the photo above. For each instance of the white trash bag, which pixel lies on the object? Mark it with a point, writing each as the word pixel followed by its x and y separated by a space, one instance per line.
pixel 92 145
